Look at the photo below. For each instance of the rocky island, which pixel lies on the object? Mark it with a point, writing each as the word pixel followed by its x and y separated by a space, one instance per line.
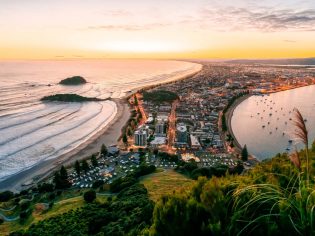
pixel 75 80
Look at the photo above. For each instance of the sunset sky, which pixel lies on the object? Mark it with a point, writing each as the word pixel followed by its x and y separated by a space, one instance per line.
pixel 38 29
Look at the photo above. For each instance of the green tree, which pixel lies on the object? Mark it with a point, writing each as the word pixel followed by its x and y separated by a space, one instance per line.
pixel 85 166
pixel 136 100
pixel 94 161
pixel 89 196
pixel 77 167
pixel 244 153
pixel 125 139
pixel 104 150
pixel 63 173
pixel 129 131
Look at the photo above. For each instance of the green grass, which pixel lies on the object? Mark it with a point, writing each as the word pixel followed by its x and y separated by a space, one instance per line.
pixel 166 182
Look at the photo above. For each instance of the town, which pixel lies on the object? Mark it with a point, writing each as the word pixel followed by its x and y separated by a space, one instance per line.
pixel 186 119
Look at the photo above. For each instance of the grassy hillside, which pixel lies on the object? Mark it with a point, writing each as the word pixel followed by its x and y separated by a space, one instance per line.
pixel 165 182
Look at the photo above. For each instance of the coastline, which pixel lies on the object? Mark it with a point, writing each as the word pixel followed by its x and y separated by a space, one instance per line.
pixel 229 115
pixel 109 135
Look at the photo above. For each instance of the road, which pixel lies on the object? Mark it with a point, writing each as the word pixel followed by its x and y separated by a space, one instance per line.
pixel 172 126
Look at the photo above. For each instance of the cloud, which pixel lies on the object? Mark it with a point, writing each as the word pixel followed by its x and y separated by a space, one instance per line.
pixel 289 41
pixel 128 27
pixel 260 19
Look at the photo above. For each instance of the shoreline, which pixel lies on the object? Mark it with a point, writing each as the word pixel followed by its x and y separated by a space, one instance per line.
pixel 229 114
pixel 109 135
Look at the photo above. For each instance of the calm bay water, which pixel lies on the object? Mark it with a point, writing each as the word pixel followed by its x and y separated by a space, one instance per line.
pixel 265 123
pixel 32 131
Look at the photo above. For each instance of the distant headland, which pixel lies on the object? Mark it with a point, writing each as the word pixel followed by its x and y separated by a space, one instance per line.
pixel 74 80
pixel 69 98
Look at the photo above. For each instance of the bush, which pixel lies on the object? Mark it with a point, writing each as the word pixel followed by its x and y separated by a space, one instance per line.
pixel 51 204
pixel 45 187
pixel 122 183
pixel 89 196
pixel 6 196
pixel 25 205
pixel 97 183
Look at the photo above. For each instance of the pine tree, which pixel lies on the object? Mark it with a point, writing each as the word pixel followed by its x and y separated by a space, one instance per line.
pixel 94 161
pixel 63 173
pixel 125 139
pixel 77 167
pixel 244 153
pixel 136 100
pixel 104 150
pixel 85 166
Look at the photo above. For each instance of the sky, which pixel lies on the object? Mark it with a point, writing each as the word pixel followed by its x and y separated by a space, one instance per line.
pixel 172 29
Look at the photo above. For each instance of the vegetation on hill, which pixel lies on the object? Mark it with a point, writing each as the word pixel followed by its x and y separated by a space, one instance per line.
pixel 159 96
pixel 75 80
pixel 68 98
pixel 128 213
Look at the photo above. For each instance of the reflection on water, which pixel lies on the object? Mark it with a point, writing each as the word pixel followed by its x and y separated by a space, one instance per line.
pixel 264 123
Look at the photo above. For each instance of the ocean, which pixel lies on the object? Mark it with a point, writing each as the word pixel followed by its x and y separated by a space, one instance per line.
pixel 32 131
pixel 265 123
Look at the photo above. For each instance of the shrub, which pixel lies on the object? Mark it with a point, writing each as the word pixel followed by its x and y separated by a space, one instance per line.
pixel 89 196
pixel 6 196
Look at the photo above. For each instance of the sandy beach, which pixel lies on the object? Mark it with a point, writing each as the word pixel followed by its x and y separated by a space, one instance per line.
pixel 108 136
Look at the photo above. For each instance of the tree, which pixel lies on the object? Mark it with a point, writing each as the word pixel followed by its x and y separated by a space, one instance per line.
pixel 63 173
pixel 129 131
pixel 125 139
pixel 77 167
pixel 89 196
pixel 94 161
pixel 61 179
pixel 136 100
pixel 57 180
pixel 244 153
pixel 104 150
pixel 85 166
pixel 6 196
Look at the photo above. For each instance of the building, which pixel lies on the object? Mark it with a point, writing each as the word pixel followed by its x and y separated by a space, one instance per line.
pixel 140 137
pixel 181 133
pixel 158 141
pixel 160 129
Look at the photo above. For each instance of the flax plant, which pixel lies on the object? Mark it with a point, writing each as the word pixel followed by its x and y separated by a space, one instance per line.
pixel 301 134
